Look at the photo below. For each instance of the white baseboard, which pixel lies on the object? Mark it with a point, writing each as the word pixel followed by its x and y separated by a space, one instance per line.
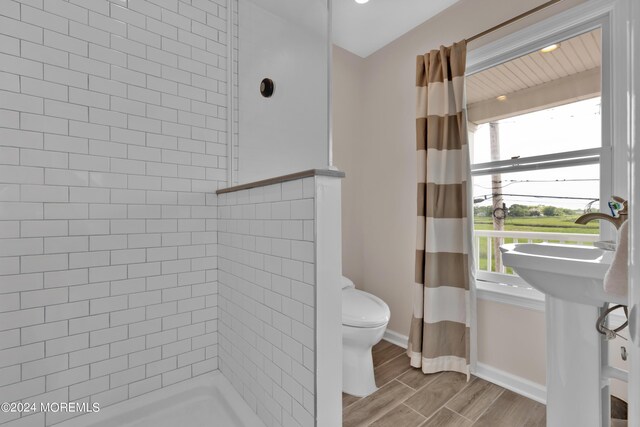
pixel 517 384
pixel 395 338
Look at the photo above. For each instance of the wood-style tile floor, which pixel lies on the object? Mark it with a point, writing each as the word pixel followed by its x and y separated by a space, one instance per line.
pixel 408 398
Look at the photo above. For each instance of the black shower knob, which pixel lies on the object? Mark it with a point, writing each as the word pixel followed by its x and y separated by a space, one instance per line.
pixel 266 87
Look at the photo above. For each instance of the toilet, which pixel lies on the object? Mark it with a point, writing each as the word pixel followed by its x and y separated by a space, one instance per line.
pixel 364 320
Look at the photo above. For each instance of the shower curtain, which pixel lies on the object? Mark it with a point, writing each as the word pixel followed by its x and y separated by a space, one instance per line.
pixel 439 339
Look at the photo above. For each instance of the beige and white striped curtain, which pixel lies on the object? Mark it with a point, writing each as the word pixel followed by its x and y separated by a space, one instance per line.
pixel 439 339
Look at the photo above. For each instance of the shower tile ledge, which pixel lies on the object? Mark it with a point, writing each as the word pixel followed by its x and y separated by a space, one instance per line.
pixel 283 178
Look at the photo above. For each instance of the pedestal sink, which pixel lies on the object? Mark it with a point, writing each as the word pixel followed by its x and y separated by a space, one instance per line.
pixel 569 272
pixel 571 277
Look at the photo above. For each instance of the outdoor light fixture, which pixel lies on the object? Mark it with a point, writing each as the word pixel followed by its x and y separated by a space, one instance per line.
pixel 362 1
pixel 501 98
pixel 549 48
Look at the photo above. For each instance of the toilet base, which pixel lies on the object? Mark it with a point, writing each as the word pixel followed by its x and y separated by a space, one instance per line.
pixel 357 362
pixel 357 374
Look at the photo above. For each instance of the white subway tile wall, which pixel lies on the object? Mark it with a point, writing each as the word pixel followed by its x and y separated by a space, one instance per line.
pixel 112 144
pixel 235 91
pixel 267 299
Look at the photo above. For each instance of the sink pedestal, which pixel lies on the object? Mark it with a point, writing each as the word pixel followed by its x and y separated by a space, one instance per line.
pixel 574 360
pixel 578 371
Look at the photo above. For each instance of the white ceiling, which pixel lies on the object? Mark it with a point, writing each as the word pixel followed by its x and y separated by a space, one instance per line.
pixel 364 28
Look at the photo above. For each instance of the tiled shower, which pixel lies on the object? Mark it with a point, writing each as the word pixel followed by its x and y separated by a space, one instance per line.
pixel 121 270
pixel 113 143
pixel 267 298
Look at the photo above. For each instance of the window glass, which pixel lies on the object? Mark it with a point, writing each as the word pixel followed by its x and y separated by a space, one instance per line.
pixel 541 200
pixel 545 103
pixel 570 127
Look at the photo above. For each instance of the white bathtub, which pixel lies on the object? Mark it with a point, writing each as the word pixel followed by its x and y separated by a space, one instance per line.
pixel 208 400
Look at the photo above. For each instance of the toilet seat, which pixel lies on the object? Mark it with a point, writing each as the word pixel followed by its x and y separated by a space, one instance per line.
pixel 363 310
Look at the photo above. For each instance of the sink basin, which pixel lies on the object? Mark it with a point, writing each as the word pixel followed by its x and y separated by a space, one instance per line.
pixel 568 272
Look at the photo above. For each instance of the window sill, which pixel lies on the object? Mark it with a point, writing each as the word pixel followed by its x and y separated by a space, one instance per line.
pixel 512 295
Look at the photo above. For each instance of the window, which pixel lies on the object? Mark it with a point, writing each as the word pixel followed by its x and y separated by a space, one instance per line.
pixel 536 150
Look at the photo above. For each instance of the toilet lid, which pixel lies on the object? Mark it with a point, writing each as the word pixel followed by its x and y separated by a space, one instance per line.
pixel 363 310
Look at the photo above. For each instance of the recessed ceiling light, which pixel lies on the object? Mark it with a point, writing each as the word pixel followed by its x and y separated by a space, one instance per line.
pixel 549 48
pixel 501 98
pixel 362 1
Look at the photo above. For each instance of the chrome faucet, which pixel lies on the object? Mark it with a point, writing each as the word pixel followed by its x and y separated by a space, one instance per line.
pixel 616 221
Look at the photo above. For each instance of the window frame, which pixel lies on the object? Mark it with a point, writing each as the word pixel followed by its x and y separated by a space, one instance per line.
pixel 618 75
pixel 522 43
